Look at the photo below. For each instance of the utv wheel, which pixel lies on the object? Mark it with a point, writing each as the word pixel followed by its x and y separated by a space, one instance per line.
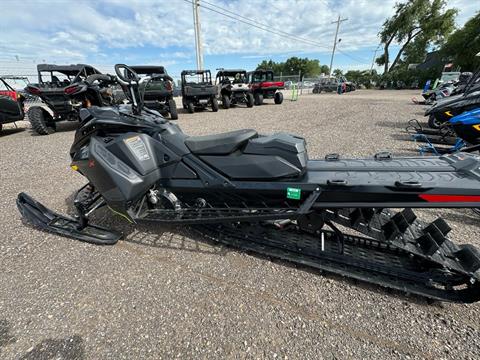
pixel 278 98
pixel 191 108
pixel 41 121
pixel 225 102
pixel 250 100
pixel 172 106
pixel 258 99
pixel 433 122
pixel 214 104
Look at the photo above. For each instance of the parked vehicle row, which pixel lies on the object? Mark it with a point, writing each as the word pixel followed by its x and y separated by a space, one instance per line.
pixel 63 90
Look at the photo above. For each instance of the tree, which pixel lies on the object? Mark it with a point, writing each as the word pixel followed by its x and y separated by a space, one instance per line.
pixel 337 72
pixel 462 46
pixel 423 19
pixel 295 65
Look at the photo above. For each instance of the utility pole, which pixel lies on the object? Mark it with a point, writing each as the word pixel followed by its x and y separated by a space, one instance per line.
pixel 198 38
pixel 335 42
pixel 374 57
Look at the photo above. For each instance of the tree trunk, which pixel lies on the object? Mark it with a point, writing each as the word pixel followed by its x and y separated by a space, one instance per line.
pixel 400 52
pixel 386 54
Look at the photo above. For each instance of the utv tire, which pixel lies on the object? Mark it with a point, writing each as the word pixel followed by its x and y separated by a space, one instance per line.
pixel 250 100
pixel 433 123
pixel 258 99
pixel 172 106
pixel 225 102
pixel 190 108
pixel 278 98
pixel 214 104
pixel 41 121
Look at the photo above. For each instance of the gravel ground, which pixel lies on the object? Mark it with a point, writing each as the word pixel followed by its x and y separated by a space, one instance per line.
pixel 163 293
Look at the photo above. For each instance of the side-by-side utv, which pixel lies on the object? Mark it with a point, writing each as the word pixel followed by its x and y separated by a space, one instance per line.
pixel 233 87
pixel 198 91
pixel 11 104
pixel 57 104
pixel 263 193
pixel 159 92
pixel 263 86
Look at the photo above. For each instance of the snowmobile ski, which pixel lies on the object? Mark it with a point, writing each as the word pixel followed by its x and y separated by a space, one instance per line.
pixel 40 216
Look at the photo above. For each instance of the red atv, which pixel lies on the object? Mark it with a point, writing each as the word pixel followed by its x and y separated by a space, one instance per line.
pixel 264 87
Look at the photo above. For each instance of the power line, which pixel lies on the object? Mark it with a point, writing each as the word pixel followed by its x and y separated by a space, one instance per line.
pixel 268 27
pixel 260 26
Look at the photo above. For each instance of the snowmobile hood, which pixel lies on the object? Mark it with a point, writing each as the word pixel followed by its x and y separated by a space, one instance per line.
pixel 455 100
pixel 467 118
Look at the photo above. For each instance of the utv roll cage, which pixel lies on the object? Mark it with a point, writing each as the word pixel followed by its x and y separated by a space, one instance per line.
pixel 260 75
pixel 203 77
pixel 154 71
pixel 74 73
pixel 224 75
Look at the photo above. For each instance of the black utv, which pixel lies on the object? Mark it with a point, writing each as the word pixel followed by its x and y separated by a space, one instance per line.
pixel 159 91
pixel 11 104
pixel 198 91
pixel 52 82
pixel 233 88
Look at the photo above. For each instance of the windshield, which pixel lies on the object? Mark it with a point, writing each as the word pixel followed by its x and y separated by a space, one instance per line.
pixel 262 76
pixel 202 78
pixel 232 78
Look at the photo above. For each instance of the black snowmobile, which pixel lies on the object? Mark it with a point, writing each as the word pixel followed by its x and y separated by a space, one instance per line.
pixel 446 108
pixel 262 193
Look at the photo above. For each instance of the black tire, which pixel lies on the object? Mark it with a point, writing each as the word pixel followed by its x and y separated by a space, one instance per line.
pixel 250 100
pixel 172 106
pixel 258 99
pixel 190 107
pixel 278 98
pixel 225 102
pixel 433 122
pixel 214 104
pixel 41 121
pixel 1 126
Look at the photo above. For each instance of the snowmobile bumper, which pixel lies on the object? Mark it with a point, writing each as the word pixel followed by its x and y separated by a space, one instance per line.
pixel 38 215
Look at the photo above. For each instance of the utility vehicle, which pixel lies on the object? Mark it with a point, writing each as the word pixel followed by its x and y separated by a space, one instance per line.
pixel 57 105
pixel 262 193
pixel 263 86
pixel 159 93
pixel 198 91
pixel 11 104
pixel 233 87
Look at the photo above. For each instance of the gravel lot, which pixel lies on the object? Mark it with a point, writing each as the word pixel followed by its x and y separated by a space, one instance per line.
pixel 163 293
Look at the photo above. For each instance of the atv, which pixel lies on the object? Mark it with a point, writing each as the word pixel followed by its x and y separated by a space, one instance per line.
pixel 159 93
pixel 264 87
pixel 262 193
pixel 198 92
pixel 233 88
pixel 52 81
pixel 11 104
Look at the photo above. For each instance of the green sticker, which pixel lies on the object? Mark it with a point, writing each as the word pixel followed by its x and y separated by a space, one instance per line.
pixel 294 193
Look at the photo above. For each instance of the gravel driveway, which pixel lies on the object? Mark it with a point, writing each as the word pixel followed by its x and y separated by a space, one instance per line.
pixel 164 293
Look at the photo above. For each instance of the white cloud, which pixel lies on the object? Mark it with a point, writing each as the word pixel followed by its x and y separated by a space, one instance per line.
pixel 105 31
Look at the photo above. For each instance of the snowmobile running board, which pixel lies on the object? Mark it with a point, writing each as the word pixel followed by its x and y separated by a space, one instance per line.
pixel 394 250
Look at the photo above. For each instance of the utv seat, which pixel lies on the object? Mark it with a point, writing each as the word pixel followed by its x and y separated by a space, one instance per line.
pixel 224 143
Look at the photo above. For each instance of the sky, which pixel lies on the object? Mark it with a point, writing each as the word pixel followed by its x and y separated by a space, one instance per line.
pixel 160 32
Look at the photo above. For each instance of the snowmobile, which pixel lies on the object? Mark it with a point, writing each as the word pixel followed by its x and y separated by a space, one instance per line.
pixel 446 108
pixel 262 193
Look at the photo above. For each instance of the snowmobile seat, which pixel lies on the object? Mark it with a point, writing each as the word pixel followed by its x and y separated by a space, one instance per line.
pixel 218 144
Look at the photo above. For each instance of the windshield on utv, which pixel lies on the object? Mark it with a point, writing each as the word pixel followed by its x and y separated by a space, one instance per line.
pixel 200 78
pixel 263 76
